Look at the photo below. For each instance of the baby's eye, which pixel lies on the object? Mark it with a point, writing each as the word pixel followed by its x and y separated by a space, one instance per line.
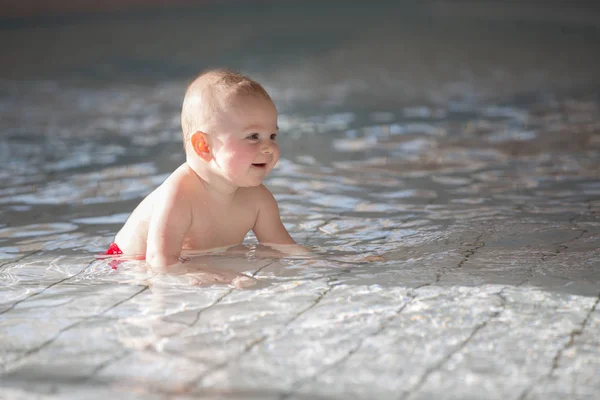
pixel 273 136
pixel 253 136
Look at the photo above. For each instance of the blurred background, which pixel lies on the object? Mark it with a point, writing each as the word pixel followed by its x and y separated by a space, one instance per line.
pixel 387 50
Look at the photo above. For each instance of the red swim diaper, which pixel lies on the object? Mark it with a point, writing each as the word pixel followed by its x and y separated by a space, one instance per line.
pixel 113 249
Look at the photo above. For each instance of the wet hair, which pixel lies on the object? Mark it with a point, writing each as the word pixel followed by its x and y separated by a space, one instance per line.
pixel 214 87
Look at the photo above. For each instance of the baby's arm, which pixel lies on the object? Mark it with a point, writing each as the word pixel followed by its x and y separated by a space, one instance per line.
pixel 171 219
pixel 268 227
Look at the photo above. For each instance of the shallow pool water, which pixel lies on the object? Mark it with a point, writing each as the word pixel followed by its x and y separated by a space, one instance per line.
pixel 447 180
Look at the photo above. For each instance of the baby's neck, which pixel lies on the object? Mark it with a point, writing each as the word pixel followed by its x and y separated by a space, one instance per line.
pixel 215 186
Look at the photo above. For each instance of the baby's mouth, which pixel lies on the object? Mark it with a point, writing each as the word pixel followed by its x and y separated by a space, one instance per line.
pixel 259 165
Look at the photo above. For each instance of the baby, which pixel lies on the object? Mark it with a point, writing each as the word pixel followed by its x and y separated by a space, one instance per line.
pixel 216 197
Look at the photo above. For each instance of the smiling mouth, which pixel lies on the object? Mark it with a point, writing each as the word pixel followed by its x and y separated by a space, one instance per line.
pixel 259 165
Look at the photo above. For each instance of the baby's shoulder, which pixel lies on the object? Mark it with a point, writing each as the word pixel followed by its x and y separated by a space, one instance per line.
pixel 256 194
pixel 179 184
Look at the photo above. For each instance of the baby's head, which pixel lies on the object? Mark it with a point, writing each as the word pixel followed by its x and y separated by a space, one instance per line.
pixel 229 124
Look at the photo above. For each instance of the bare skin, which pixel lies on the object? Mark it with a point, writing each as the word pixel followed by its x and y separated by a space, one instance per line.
pixel 216 197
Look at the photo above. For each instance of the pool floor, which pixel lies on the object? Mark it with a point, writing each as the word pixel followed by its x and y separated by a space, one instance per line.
pixel 481 321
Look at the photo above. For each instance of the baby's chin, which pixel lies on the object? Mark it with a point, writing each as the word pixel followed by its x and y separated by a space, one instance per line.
pixel 251 184
pixel 251 178
pixel 247 183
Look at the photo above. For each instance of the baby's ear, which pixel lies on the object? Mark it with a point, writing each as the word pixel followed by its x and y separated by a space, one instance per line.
pixel 199 142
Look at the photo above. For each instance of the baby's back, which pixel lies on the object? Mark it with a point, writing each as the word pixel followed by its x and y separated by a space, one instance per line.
pixel 132 237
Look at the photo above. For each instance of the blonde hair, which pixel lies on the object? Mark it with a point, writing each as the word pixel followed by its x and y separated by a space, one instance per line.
pixel 206 94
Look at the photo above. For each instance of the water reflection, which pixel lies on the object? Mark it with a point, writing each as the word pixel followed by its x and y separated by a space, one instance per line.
pixel 414 181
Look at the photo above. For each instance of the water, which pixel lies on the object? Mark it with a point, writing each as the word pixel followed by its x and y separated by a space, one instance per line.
pixel 445 175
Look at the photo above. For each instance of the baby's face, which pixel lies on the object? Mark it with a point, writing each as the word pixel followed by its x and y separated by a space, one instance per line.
pixel 244 145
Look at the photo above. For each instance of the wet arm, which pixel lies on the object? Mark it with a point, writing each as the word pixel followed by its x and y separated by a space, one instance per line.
pixel 170 222
pixel 269 229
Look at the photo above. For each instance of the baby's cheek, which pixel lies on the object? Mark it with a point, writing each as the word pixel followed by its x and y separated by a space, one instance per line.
pixel 233 170
pixel 234 167
pixel 276 156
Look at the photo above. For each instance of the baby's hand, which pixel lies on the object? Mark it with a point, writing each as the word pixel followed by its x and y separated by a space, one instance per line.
pixel 243 281
pixel 285 249
pixel 201 274
pixel 209 276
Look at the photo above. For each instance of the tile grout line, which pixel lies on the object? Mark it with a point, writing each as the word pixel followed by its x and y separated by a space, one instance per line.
pixel 105 364
pixel 558 248
pixel 572 335
pixel 558 356
pixel 458 348
pixel 73 325
pixel 44 289
pixel 257 341
pixel 19 259
pixel 478 244
pixel 344 358
pixel 127 352
pixel 218 300
pixel 188 325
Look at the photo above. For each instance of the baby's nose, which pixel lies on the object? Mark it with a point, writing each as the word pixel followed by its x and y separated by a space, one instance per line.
pixel 267 148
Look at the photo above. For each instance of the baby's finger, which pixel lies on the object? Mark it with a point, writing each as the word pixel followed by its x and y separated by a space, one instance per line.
pixel 243 281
